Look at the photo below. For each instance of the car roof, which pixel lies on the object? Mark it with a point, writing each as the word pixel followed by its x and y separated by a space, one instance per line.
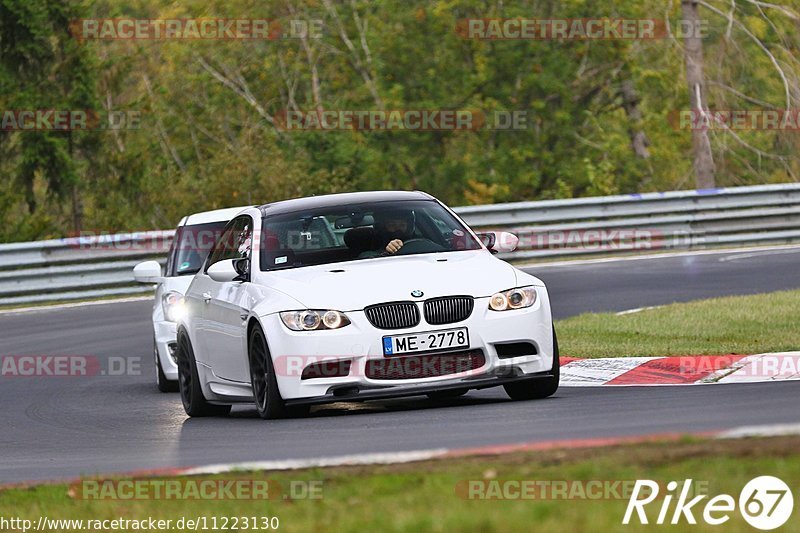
pixel 217 215
pixel 332 200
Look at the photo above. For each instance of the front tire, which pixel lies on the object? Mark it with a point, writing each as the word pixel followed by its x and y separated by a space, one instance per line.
pixel 194 403
pixel 269 403
pixel 535 389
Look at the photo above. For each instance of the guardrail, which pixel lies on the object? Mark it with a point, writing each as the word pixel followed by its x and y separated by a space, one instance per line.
pixel 80 268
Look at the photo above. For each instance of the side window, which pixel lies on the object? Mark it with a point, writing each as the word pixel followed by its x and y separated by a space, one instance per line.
pixel 244 239
pixel 173 251
pixel 236 241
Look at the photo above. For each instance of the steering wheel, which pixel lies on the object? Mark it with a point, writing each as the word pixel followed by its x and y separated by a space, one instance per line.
pixel 419 246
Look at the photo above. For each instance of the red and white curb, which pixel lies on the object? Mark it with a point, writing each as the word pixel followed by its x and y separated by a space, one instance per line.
pixel 680 370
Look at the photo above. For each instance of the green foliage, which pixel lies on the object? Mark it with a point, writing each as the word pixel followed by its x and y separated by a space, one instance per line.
pixel 207 140
pixel 42 67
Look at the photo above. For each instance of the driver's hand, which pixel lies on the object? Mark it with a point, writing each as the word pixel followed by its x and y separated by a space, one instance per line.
pixel 394 245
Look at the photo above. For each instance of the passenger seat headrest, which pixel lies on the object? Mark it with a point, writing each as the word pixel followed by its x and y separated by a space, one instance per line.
pixel 360 239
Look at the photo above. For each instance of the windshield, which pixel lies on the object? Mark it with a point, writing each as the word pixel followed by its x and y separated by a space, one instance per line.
pixel 191 246
pixel 360 231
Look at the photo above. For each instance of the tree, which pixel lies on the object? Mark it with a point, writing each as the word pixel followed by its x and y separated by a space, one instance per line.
pixel 42 67
pixel 703 160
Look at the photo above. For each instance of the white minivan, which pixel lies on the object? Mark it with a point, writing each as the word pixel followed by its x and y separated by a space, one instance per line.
pixel 194 237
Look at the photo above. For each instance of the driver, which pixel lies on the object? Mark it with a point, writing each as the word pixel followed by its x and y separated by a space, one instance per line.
pixel 393 226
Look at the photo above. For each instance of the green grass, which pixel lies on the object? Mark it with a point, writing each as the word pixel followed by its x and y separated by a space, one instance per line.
pixel 423 497
pixel 731 325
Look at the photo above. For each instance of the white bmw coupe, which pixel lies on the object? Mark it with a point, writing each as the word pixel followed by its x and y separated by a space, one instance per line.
pixel 359 296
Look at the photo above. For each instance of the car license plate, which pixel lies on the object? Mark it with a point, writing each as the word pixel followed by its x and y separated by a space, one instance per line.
pixel 427 341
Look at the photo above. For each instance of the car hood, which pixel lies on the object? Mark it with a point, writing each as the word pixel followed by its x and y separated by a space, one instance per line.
pixel 353 285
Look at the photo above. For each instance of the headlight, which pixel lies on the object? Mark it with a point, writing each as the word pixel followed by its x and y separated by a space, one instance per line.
pixel 311 319
pixel 513 299
pixel 173 305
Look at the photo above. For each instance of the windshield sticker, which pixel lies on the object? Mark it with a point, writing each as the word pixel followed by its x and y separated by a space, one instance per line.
pixel 280 260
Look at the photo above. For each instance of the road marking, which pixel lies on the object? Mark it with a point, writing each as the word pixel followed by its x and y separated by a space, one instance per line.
pixel 766 367
pixel 343 460
pixel 56 307
pixel 674 370
pixel 755 254
pixel 637 310
pixel 755 250
pixel 492 449
pixel 772 430
pixel 589 372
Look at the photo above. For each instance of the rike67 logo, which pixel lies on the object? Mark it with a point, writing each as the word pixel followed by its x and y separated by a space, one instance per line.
pixel 765 503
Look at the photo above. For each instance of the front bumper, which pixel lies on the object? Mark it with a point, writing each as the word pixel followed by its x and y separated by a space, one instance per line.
pixel 361 342
pixel 166 335
pixel 349 394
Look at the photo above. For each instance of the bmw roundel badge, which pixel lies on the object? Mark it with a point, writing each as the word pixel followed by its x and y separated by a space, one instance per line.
pixel 417 293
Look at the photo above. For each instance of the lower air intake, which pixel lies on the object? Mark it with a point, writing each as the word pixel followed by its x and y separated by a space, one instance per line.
pixel 424 366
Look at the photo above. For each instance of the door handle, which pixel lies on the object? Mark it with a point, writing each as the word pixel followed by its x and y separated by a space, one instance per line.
pixel 207 297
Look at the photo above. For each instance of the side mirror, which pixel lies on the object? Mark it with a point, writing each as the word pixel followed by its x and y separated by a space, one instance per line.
pixel 148 272
pixel 487 239
pixel 499 241
pixel 229 270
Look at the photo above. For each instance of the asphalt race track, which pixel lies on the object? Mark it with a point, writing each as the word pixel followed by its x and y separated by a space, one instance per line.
pixel 641 282
pixel 63 427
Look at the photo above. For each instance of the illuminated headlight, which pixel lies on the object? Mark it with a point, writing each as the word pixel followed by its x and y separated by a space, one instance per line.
pixel 513 299
pixel 173 305
pixel 311 319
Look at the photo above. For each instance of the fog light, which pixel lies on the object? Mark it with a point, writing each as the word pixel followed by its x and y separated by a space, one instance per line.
pixel 172 349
